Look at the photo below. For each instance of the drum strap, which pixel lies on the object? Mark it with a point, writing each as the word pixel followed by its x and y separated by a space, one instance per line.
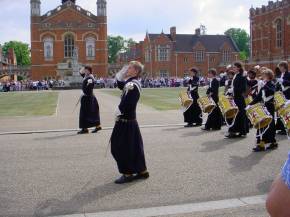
pixel 260 134
pixel 266 99
pixel 233 122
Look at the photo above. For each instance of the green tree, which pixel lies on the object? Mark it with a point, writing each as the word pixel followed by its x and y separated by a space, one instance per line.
pixel 242 40
pixel 117 44
pixel 21 50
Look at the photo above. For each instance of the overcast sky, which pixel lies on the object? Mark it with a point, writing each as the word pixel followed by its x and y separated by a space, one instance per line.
pixel 131 18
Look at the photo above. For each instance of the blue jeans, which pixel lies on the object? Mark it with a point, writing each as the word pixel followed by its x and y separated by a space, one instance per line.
pixel 286 172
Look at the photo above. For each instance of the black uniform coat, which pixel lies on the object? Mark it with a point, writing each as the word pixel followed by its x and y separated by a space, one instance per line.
pixel 215 118
pixel 240 87
pixel 266 95
pixel 89 112
pixel 253 87
pixel 193 114
pixel 126 140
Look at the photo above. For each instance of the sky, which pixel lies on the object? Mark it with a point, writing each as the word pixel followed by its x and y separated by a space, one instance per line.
pixel 131 18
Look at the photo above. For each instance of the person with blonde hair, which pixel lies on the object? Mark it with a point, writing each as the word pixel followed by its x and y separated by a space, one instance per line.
pixel 266 96
pixel 126 140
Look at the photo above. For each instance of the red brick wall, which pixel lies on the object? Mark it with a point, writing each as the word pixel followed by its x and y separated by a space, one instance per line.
pixel 41 68
pixel 263 34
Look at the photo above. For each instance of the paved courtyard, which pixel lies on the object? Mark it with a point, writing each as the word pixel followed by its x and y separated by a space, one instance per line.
pixel 61 173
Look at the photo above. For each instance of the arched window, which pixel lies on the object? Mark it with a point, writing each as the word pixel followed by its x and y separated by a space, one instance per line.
pixel 48 48
pixel 279 33
pixel 90 48
pixel 69 44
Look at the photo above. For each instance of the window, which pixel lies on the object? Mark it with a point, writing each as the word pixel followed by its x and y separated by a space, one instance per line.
pixel 279 31
pixel 69 45
pixel 48 48
pixel 163 52
pixel 147 55
pixel 199 56
pixel 185 60
pixel 163 73
pixel 226 56
pixel 90 48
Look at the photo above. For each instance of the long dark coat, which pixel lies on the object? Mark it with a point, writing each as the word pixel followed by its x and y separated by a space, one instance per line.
pixel 193 114
pixel 215 118
pixel 126 140
pixel 241 124
pixel 89 112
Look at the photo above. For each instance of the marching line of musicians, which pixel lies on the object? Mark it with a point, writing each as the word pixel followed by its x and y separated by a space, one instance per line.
pixel 247 102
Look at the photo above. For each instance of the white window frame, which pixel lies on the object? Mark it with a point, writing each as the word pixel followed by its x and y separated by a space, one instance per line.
pixel 163 53
pixel 226 55
pixel 199 56
pixel 279 33
pixel 90 48
pixel 48 48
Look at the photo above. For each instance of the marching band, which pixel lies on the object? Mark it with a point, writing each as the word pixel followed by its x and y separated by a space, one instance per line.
pixel 246 102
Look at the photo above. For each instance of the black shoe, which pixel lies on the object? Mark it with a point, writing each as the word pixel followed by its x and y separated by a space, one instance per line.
pixel 197 125
pixel 273 146
pixel 282 132
pixel 83 131
pixel 230 136
pixel 216 129
pixel 142 176
pixel 205 129
pixel 259 149
pixel 188 125
pixel 124 179
pixel 97 129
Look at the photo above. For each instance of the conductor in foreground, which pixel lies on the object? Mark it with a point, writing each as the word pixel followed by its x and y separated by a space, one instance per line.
pixel 126 140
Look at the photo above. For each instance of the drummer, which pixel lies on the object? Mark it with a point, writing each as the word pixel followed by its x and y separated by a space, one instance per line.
pixel 193 114
pixel 283 84
pixel 252 83
pixel 229 81
pixel 266 96
pixel 241 127
pixel 215 118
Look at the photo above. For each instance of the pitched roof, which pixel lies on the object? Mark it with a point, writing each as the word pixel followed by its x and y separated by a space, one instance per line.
pixel 212 43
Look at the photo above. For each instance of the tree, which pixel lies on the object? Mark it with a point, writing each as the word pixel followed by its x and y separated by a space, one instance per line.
pixel 117 44
pixel 21 50
pixel 242 40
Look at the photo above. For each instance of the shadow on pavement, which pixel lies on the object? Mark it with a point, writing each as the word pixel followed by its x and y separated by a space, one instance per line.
pixel 55 207
pixel 216 145
pixel 242 164
pixel 57 137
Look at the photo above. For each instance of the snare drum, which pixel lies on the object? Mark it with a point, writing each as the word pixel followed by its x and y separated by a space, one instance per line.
pixel 279 100
pixel 207 104
pixel 185 100
pixel 259 116
pixel 284 113
pixel 228 107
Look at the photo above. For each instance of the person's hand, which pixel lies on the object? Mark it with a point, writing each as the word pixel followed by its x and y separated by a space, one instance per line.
pixel 231 90
pixel 121 75
pixel 248 107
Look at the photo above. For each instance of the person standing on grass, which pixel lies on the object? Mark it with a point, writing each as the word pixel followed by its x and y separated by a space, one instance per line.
pixel 193 114
pixel 89 112
pixel 278 201
pixel 126 140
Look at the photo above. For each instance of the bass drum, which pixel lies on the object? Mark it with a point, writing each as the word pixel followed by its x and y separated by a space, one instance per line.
pixel 259 116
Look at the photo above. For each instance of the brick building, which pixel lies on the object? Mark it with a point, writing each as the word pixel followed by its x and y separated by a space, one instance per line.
pixel 270 31
pixel 64 34
pixel 171 55
pixel 8 63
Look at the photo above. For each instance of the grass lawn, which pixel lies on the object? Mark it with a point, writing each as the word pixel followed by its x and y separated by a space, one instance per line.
pixel 28 104
pixel 158 98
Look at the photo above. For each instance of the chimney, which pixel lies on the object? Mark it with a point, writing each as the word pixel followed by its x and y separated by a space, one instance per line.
pixel 197 31
pixel 173 33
